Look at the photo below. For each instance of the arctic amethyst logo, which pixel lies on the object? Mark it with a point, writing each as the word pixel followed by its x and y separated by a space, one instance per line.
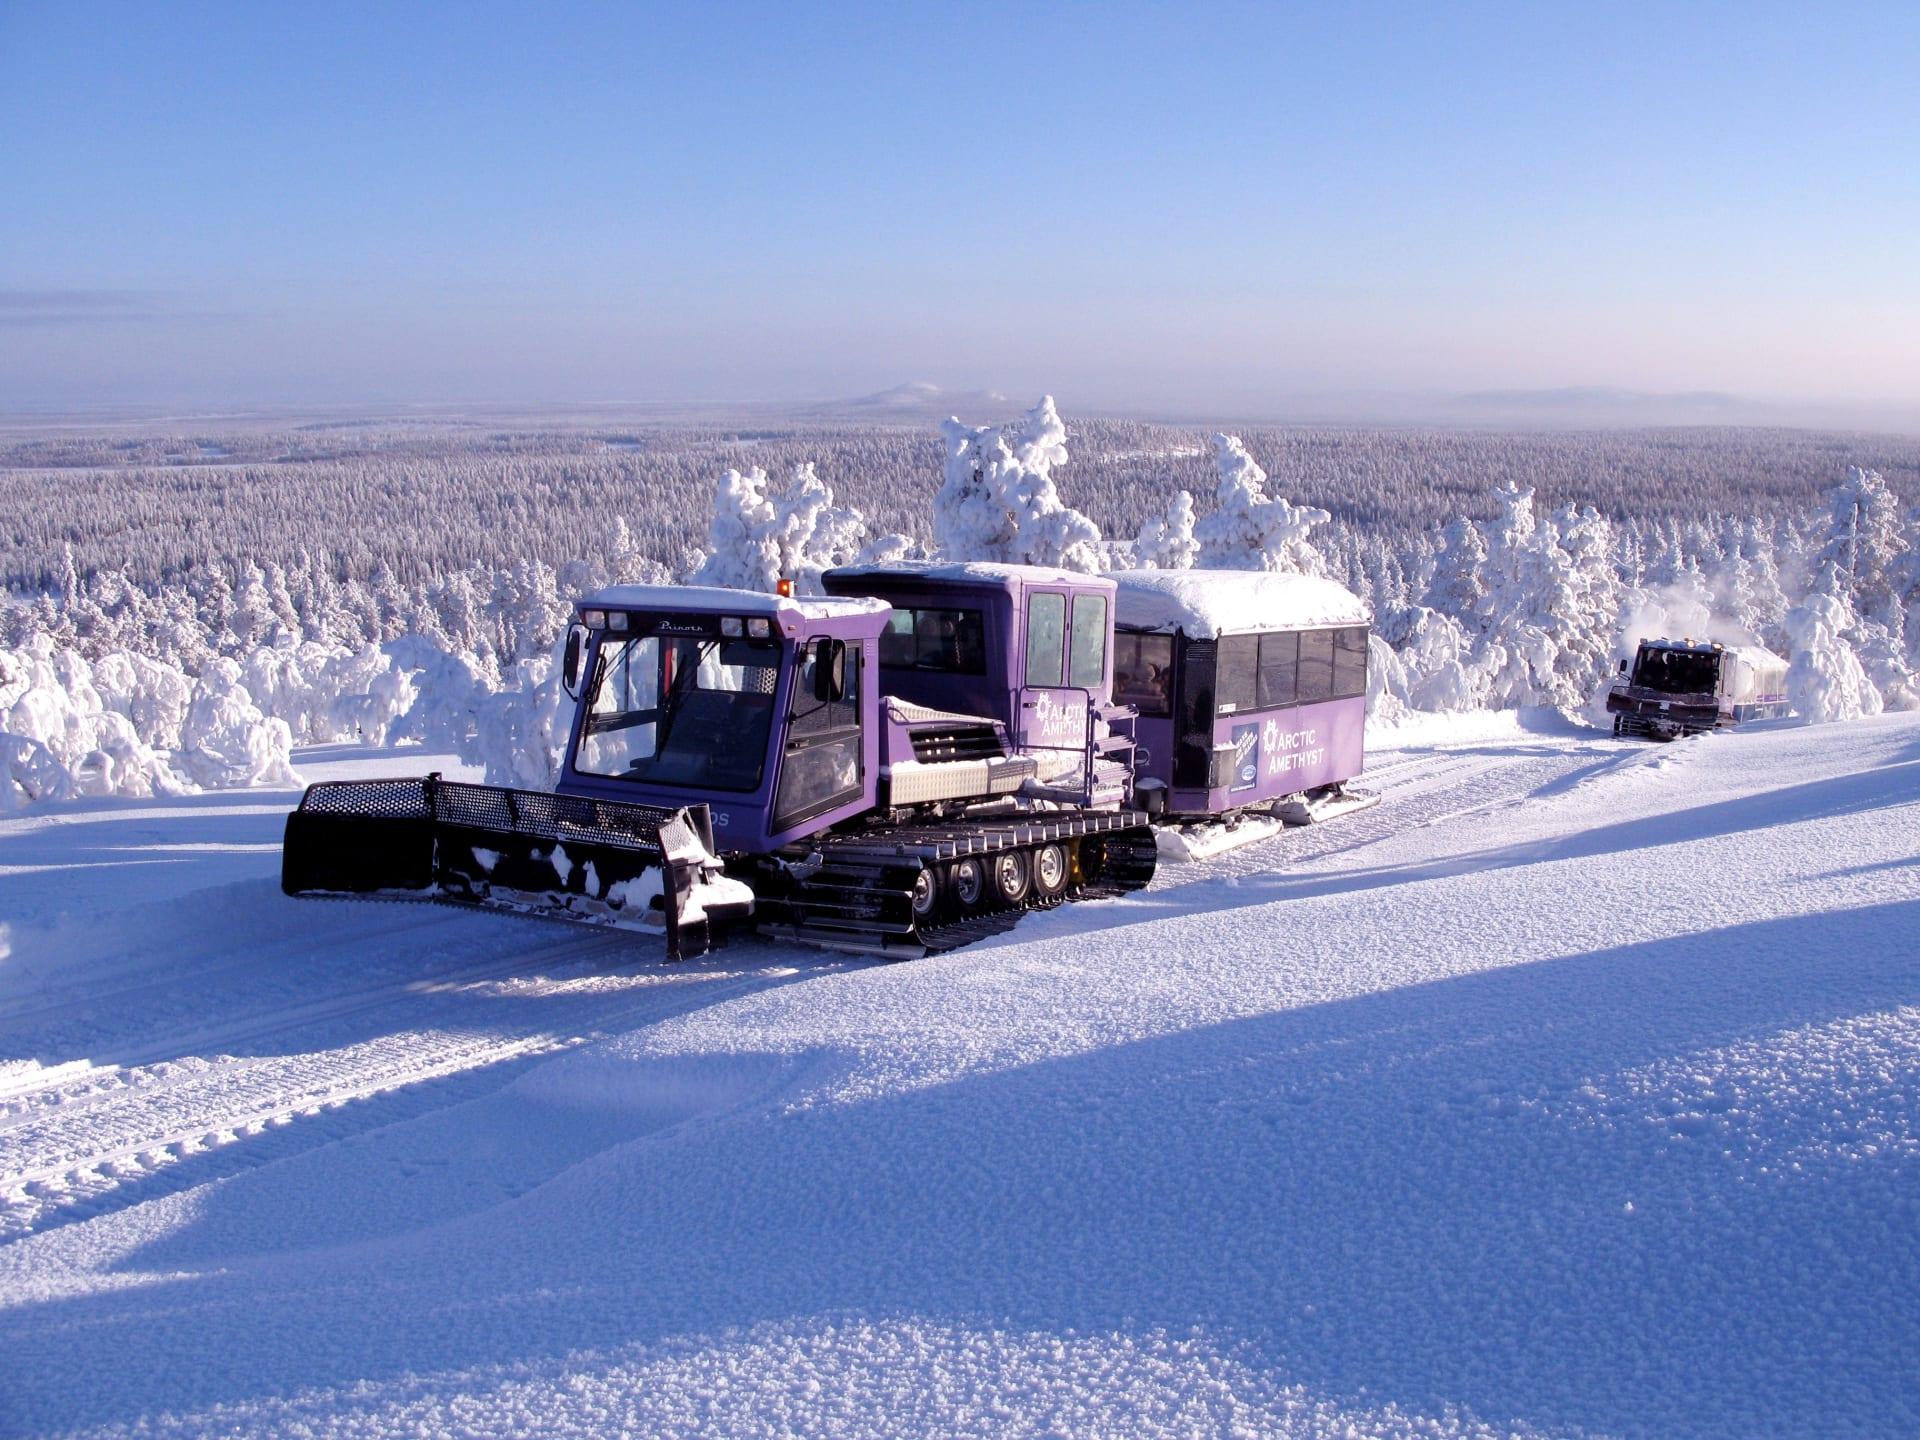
pixel 1057 724
pixel 1290 750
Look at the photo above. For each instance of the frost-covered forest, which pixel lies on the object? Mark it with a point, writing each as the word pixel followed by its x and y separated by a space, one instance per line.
pixel 182 611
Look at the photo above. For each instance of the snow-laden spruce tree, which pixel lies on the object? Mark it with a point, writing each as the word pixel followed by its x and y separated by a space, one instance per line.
pixel 1438 669
pixel 998 501
pixel 760 536
pixel 1458 583
pixel 1863 543
pixel 1517 646
pixel 1247 529
pixel 60 737
pixel 1825 680
pixel 741 551
pixel 1584 596
pixel 1166 541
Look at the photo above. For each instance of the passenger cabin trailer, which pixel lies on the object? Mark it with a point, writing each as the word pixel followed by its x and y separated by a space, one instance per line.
pixel 1674 688
pixel 1250 687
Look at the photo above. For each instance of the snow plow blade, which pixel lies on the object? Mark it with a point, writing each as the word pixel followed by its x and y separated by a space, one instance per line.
pixel 523 851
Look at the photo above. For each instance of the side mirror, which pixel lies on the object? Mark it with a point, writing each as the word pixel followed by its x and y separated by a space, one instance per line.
pixel 570 662
pixel 829 670
pixel 1623 664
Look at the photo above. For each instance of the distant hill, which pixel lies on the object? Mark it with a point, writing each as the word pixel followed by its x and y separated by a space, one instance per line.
pixel 1607 405
pixel 919 400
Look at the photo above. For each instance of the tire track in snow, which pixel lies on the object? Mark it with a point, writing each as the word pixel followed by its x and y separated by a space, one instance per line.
pixel 51 1171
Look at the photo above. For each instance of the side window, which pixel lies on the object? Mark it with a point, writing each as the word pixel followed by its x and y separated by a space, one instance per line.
pixel 954 641
pixel 951 640
pixel 820 766
pixel 1046 638
pixel 1316 665
pixel 1143 672
pixel 1279 664
pixel 1239 664
pixel 814 717
pixel 1350 661
pixel 1087 661
pixel 896 641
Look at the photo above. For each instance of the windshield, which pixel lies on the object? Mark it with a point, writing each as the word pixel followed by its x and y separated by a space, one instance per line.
pixel 669 710
pixel 1677 672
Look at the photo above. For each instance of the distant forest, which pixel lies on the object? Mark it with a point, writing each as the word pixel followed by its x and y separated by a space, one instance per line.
pixel 422 500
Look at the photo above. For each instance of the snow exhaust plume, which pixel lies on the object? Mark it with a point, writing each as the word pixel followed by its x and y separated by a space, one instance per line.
pixel 999 503
pixel 1675 612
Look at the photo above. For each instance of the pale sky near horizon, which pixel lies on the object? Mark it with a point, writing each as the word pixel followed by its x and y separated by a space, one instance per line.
pixel 1131 206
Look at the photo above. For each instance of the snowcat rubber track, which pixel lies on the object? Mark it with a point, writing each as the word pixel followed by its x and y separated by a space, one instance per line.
pixel 524 852
pixel 860 897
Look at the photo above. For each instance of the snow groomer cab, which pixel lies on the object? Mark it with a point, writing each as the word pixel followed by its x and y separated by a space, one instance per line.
pixel 761 707
pixel 1028 645
pixel 1250 687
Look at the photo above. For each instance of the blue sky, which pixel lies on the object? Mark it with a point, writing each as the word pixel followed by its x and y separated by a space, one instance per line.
pixel 1258 208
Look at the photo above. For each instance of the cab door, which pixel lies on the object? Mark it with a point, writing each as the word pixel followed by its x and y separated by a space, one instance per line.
pixel 1052 717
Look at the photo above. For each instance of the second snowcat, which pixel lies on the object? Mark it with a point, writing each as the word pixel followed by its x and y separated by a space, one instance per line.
pixel 1675 688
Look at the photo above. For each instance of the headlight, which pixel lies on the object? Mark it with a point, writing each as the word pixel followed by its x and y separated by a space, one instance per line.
pixel 730 626
pixel 759 628
pixel 594 619
pixel 618 619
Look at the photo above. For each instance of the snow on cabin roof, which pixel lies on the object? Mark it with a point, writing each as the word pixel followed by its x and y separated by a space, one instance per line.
pixel 979 572
pixel 1209 603
pixel 718 600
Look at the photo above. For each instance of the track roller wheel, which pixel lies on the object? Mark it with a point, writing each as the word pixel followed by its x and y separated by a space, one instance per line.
pixel 967 883
pixel 1052 869
pixel 1012 878
pixel 926 895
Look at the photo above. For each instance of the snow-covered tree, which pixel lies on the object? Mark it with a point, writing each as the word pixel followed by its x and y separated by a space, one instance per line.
pixel 760 537
pixel 1825 680
pixel 1458 584
pixel 1863 542
pixel 998 500
pixel 741 550
pixel 1166 541
pixel 1247 530
pixel 1584 598
pixel 1439 669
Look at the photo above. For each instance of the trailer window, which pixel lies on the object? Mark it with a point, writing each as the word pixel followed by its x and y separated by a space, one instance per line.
pixel 1350 661
pixel 952 641
pixel 1316 666
pixel 1143 672
pixel 1087 660
pixel 1046 638
pixel 1279 665
pixel 1237 686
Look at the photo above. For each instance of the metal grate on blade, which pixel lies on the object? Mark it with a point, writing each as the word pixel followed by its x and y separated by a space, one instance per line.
pixel 390 799
pixel 620 824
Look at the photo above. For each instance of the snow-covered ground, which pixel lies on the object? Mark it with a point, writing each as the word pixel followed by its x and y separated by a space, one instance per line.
pixel 1572 1090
